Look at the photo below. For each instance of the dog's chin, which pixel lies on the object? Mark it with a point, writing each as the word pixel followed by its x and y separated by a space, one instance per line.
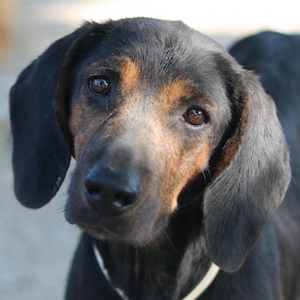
pixel 100 233
pixel 131 237
pixel 106 235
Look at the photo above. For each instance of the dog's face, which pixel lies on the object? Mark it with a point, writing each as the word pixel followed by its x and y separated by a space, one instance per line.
pixel 144 105
pixel 157 116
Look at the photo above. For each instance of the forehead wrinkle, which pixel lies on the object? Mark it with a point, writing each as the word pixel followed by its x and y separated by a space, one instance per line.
pixel 94 64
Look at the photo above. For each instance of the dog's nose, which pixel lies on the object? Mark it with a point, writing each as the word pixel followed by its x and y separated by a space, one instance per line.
pixel 111 190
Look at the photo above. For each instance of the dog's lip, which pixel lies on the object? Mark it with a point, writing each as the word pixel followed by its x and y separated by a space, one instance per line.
pixel 99 227
pixel 99 232
pixel 92 229
pixel 86 218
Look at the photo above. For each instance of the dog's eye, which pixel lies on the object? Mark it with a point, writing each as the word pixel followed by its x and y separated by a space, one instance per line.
pixel 195 116
pixel 100 85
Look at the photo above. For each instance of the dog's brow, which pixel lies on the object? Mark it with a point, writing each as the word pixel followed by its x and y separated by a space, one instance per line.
pixel 176 90
pixel 101 66
pixel 130 75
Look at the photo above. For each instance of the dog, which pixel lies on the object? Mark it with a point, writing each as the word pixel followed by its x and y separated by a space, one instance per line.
pixel 181 163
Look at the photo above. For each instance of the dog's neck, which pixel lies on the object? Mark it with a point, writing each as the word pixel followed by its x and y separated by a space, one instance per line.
pixel 168 268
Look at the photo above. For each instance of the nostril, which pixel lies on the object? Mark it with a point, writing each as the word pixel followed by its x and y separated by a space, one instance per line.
pixel 93 191
pixel 124 200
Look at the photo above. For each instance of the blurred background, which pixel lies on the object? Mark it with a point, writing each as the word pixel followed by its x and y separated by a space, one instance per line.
pixel 36 247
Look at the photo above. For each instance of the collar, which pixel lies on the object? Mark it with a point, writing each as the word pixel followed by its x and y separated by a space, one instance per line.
pixel 199 289
pixel 207 280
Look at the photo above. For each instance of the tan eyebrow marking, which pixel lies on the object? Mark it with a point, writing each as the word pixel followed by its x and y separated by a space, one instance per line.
pixel 130 74
pixel 176 90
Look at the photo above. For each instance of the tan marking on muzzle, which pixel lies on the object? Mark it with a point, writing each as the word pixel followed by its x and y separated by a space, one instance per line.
pixel 181 172
pixel 76 128
pixel 75 119
pixel 82 126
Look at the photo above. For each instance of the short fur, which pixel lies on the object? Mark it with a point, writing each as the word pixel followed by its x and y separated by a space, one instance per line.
pixel 159 197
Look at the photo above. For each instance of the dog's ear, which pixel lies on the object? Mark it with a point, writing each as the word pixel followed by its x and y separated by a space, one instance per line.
pixel 40 154
pixel 250 179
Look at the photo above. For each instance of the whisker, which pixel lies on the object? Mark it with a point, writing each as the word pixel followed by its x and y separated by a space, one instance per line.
pixel 170 241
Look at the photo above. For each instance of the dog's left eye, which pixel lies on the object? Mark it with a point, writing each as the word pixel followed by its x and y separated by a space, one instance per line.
pixel 100 85
pixel 195 116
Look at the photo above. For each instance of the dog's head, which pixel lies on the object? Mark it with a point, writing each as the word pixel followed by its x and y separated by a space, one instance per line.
pixel 149 109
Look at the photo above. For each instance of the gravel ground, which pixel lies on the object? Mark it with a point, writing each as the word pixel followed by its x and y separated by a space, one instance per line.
pixel 36 246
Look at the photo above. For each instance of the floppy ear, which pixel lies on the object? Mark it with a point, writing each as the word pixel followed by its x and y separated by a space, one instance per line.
pixel 40 154
pixel 250 179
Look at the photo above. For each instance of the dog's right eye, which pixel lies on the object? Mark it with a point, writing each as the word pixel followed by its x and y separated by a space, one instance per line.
pixel 100 85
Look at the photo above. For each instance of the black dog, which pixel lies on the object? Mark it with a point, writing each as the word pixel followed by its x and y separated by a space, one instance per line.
pixel 181 162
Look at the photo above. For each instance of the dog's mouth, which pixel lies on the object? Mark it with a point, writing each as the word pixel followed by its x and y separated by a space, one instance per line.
pixel 100 232
pixel 96 224
pixel 135 227
pixel 129 237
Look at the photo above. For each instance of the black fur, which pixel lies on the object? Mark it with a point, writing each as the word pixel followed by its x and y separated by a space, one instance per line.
pixel 40 155
pixel 224 214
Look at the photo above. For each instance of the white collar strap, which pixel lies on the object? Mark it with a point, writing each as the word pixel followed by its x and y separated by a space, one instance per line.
pixel 194 294
pixel 204 283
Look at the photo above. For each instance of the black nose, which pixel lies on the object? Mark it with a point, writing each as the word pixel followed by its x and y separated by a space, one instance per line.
pixel 111 190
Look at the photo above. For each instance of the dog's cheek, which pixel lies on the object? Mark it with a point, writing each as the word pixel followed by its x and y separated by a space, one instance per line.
pixel 181 170
pixel 83 127
pixel 195 162
pixel 76 129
